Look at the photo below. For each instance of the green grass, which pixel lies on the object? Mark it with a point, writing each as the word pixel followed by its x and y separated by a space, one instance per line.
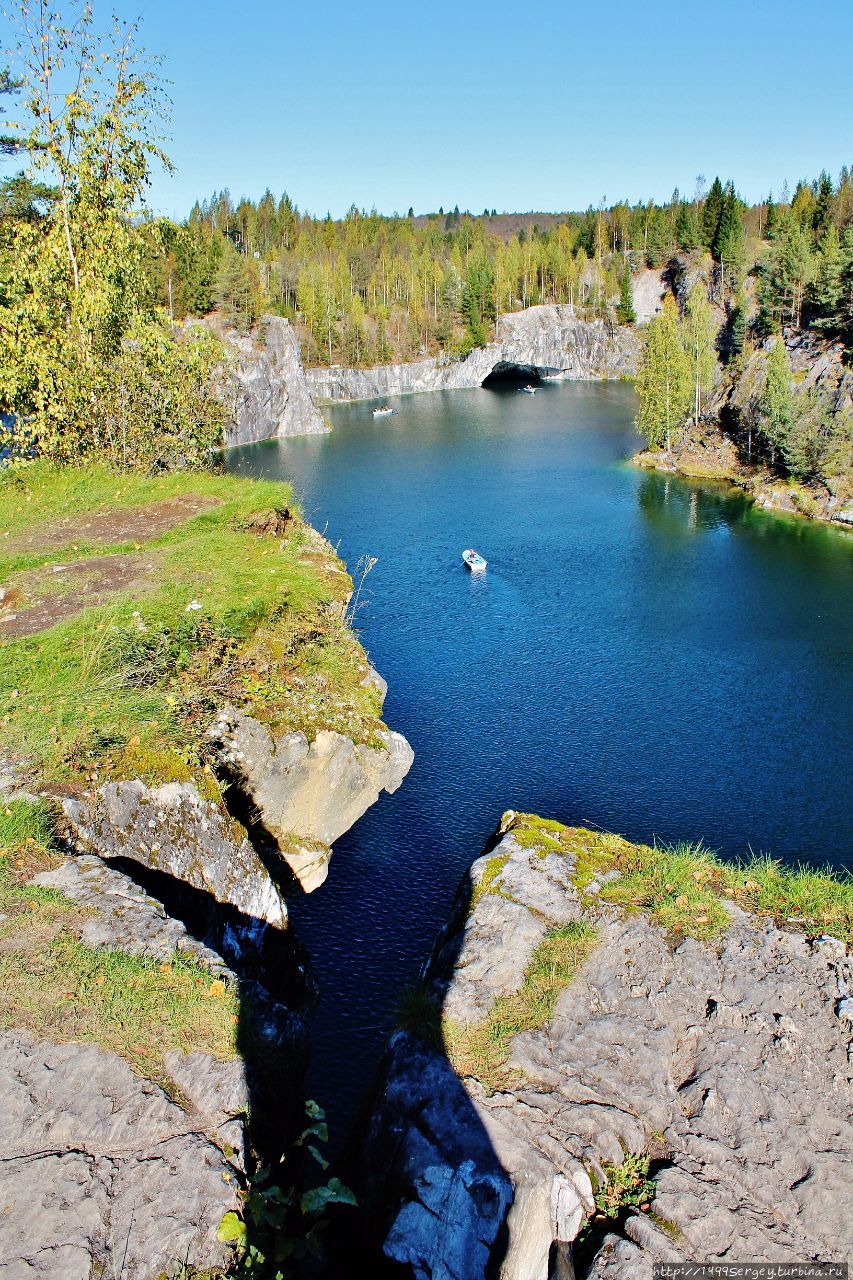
pixel 128 689
pixel 138 678
pixel 56 986
pixel 483 1050
pixel 686 888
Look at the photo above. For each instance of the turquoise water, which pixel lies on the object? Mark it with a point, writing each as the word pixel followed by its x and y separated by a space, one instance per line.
pixel 644 654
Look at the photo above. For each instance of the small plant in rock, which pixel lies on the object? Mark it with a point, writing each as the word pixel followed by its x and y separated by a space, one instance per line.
pixel 281 1225
pixel 628 1186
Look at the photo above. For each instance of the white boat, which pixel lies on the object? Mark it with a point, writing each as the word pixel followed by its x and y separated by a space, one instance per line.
pixel 531 391
pixel 383 411
pixel 474 560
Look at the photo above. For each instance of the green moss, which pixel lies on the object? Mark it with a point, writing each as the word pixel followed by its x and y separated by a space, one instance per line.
pixel 489 881
pixel 483 1050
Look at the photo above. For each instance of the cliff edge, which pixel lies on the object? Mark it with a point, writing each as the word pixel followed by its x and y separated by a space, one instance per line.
pixel 583 1079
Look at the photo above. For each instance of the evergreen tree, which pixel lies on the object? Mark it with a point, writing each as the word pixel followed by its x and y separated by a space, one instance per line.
pixel 825 294
pixel 822 215
pixel 687 227
pixel 712 213
pixel 844 310
pixel 625 312
pixel 9 143
pixel 770 225
pixel 728 243
pixel 236 291
pixel 738 324
pixel 664 384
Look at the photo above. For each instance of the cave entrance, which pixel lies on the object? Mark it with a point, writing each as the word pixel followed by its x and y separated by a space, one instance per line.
pixel 508 377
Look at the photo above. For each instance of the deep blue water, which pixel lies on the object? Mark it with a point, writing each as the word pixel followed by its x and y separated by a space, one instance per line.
pixel 646 655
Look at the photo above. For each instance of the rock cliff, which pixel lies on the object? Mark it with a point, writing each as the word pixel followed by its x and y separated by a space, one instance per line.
pixel 724 1063
pixel 269 394
pixel 548 341
pixel 274 396
pixel 102 1169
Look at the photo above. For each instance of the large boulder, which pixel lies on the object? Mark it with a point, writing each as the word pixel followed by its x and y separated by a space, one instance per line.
pixel 307 794
pixel 174 829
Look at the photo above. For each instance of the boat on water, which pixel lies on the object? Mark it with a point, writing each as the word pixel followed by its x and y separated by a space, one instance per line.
pixel 474 560
pixel 383 411
pixel 528 390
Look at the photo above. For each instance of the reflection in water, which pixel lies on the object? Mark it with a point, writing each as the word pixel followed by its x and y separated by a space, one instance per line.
pixel 681 504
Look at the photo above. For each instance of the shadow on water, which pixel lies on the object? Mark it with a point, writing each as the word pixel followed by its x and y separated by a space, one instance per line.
pixel 421 1158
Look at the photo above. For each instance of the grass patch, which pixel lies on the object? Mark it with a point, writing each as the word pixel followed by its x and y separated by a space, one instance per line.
pixel 56 986
pixel 228 614
pixel 482 1050
pixel 135 1006
pixel 685 887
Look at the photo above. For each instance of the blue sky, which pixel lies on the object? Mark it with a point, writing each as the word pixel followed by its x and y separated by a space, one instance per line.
pixel 513 106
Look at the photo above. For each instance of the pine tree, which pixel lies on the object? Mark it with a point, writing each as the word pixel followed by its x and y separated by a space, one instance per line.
pixel 687 227
pixel 738 323
pixel 771 223
pixel 664 383
pixel 236 291
pixel 9 143
pixel 712 213
pixel 728 242
pixel 844 311
pixel 825 294
pixel 625 312
pixel 822 215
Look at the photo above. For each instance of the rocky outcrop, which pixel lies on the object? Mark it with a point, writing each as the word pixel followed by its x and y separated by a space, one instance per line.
pixel 269 395
pixel 306 794
pixel 546 341
pixel 725 1061
pixel 101 1173
pixel 173 829
pixel 710 449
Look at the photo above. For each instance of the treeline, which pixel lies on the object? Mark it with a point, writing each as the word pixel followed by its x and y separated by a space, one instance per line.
pixel 371 288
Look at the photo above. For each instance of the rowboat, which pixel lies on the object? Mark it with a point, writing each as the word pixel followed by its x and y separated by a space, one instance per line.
pixel 474 561
pixel 383 411
pixel 531 391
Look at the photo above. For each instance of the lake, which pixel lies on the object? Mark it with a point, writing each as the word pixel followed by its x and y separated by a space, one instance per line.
pixel 646 655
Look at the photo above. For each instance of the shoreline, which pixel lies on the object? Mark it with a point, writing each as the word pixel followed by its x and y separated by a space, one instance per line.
pixel 770 493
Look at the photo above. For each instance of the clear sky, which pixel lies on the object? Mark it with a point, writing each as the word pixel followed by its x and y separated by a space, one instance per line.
pixel 548 105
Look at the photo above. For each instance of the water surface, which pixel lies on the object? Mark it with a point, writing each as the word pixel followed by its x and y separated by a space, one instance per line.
pixel 646 655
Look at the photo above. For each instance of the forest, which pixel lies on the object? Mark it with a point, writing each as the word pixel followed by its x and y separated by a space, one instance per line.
pixel 370 288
